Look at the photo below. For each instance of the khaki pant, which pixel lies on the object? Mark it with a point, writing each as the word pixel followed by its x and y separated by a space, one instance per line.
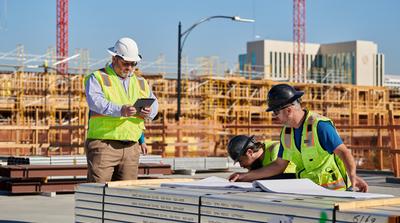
pixel 110 160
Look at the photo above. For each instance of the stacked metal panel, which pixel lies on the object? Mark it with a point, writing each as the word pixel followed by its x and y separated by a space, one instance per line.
pixel 266 207
pixel 95 202
pixel 274 207
pixel 197 163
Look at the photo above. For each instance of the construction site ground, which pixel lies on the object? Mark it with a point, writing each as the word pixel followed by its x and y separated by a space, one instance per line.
pixel 60 208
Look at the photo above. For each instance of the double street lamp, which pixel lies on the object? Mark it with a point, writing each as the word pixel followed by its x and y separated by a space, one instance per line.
pixel 184 35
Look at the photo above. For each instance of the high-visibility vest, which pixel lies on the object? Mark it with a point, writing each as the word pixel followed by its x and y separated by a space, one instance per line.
pixel 271 154
pixel 117 128
pixel 313 162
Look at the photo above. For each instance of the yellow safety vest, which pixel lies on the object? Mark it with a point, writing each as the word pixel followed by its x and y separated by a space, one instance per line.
pixel 117 128
pixel 313 162
pixel 271 154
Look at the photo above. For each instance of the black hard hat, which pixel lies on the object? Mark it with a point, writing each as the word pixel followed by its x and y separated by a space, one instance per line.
pixel 281 95
pixel 237 146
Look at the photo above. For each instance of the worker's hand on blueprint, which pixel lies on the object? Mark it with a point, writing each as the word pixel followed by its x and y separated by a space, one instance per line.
pixel 236 177
pixel 359 184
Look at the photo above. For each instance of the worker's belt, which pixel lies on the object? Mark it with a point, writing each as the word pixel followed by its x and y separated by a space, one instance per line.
pixel 124 142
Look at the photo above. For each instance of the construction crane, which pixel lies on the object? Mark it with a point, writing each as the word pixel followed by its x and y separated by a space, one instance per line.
pixel 62 35
pixel 299 41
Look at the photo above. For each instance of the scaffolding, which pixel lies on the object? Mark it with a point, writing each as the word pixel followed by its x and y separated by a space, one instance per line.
pixel 45 113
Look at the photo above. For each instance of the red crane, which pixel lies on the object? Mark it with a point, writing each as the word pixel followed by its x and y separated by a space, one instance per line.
pixel 299 41
pixel 62 35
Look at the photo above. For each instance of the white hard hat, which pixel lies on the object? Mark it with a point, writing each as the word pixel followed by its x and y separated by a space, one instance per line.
pixel 127 49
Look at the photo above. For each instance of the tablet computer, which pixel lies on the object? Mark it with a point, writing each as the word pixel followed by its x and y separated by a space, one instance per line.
pixel 142 103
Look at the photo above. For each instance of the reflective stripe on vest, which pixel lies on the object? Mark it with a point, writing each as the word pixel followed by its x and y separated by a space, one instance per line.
pixel 106 79
pixel 335 185
pixel 313 161
pixel 117 128
pixel 288 138
pixel 144 87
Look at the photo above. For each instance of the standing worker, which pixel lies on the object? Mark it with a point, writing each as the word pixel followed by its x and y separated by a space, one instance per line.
pixel 115 126
pixel 311 142
pixel 254 155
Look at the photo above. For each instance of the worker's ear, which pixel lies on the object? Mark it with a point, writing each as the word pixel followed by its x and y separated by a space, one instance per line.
pixel 249 152
pixel 290 109
pixel 113 60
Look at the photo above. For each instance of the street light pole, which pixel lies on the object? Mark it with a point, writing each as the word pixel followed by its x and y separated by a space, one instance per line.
pixel 181 44
pixel 178 87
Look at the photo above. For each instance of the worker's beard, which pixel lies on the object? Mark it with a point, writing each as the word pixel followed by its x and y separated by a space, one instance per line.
pixel 124 74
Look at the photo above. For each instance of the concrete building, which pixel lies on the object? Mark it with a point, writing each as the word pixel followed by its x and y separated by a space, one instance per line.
pixel 355 62
pixel 392 81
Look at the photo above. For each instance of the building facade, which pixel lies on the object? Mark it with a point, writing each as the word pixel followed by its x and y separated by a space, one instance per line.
pixel 392 81
pixel 355 62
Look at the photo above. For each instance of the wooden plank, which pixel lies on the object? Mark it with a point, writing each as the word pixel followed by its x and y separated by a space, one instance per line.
pixel 20 145
pixel 368 215
pixel 367 203
pixel 146 182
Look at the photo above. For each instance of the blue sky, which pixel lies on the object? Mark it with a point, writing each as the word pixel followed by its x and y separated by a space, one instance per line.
pixel 97 24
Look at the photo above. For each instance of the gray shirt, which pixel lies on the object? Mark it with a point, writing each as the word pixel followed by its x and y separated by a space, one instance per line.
pixel 97 102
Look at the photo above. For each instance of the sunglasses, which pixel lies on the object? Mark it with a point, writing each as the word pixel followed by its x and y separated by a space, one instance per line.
pixel 127 63
pixel 276 111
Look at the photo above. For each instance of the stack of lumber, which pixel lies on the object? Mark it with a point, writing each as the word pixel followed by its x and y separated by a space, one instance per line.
pixel 145 201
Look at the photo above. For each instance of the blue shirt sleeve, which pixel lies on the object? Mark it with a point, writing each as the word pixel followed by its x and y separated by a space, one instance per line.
pixel 328 136
pixel 141 139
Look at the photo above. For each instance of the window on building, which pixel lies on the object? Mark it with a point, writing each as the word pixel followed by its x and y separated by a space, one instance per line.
pixel 280 64
pixel 270 62
pixel 275 57
pixel 284 64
